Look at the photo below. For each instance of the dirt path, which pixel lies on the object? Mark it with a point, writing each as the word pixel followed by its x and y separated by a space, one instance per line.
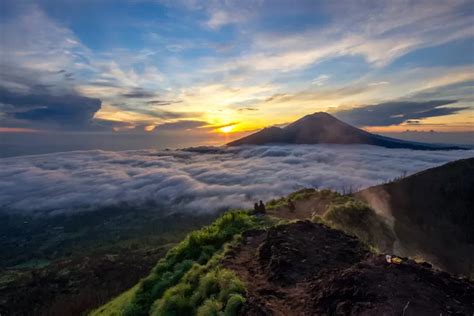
pixel 278 266
pixel 305 268
pixel 263 298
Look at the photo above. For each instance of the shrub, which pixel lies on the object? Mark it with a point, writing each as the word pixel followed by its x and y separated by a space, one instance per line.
pixel 276 203
pixel 301 194
pixel 357 218
pixel 234 303
pixel 204 290
pixel 195 250
pixel 211 307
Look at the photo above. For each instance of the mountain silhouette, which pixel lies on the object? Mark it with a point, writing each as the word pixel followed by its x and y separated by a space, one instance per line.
pixel 323 128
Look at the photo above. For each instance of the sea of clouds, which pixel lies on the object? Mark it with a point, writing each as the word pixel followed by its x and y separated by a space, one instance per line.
pixel 199 180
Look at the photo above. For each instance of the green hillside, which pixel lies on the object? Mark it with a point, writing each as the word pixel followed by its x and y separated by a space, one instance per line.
pixel 191 279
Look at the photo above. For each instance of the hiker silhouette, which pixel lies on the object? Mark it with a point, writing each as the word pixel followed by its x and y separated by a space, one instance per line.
pixel 261 207
pixel 256 208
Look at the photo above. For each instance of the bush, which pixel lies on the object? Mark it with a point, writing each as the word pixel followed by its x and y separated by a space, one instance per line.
pixel 276 203
pixel 211 307
pixel 234 303
pixel 195 250
pixel 204 290
pixel 301 194
pixel 357 218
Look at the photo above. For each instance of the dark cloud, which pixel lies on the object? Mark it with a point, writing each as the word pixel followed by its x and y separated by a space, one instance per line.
pixel 190 181
pixel 46 110
pixel 162 114
pixel 69 76
pixel 163 102
pixel 138 94
pixel 157 113
pixel 180 125
pixel 461 91
pixel 105 83
pixel 247 109
pixel 394 113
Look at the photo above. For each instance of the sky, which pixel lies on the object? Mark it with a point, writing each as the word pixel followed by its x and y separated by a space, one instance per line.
pixel 160 71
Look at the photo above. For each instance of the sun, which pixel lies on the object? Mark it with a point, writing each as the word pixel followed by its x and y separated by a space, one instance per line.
pixel 227 129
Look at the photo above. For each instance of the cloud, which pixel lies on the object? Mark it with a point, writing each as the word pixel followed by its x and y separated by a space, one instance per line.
pixel 47 110
pixel 379 83
pixel 180 125
pixel 320 80
pixel 391 31
pixel 138 93
pixel 247 109
pixel 198 181
pixel 163 102
pixel 396 112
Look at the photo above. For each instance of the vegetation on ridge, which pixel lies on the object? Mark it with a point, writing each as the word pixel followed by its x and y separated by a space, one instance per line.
pixel 357 218
pixel 192 263
pixel 190 279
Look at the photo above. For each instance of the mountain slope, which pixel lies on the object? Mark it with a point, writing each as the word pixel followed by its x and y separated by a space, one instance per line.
pixel 432 213
pixel 322 128
pixel 305 268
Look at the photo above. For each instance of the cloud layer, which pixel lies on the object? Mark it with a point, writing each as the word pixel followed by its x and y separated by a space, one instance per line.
pixel 394 113
pixel 201 180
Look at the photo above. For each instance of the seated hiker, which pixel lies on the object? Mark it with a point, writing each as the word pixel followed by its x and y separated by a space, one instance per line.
pixel 291 205
pixel 256 208
pixel 261 207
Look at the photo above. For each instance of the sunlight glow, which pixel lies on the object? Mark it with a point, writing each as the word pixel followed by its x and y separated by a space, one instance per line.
pixel 227 129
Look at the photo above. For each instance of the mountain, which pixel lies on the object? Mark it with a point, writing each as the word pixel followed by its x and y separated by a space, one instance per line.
pixel 256 265
pixel 323 128
pixel 432 214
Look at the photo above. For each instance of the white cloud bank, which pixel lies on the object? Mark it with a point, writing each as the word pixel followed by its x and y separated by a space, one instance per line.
pixel 200 182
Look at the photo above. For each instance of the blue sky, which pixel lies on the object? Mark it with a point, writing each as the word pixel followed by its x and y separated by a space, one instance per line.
pixel 172 67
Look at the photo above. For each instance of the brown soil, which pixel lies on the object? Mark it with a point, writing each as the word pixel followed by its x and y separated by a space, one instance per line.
pixel 309 269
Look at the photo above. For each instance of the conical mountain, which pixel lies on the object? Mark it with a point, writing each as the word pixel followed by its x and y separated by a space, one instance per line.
pixel 323 128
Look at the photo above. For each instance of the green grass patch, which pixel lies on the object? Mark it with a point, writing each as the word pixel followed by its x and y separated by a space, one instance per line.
pixel 204 290
pixel 305 194
pixel 196 249
pixel 302 194
pixel 118 305
pixel 358 219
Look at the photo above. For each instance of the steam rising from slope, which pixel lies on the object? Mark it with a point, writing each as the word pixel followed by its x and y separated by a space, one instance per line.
pixel 202 180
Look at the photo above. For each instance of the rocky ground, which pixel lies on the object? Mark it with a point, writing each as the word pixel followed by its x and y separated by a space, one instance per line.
pixel 309 269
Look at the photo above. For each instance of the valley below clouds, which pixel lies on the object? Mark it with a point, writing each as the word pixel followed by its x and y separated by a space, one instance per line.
pixel 198 180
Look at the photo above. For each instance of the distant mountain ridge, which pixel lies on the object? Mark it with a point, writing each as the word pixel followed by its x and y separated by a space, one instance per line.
pixel 323 128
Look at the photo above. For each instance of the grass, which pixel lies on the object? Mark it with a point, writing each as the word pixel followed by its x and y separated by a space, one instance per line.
pixel 190 281
pixel 305 194
pixel 358 219
pixel 204 290
pixel 117 306
pixel 302 194
pixel 195 251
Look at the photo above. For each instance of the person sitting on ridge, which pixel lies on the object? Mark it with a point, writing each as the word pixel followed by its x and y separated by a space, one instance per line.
pixel 256 208
pixel 261 207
